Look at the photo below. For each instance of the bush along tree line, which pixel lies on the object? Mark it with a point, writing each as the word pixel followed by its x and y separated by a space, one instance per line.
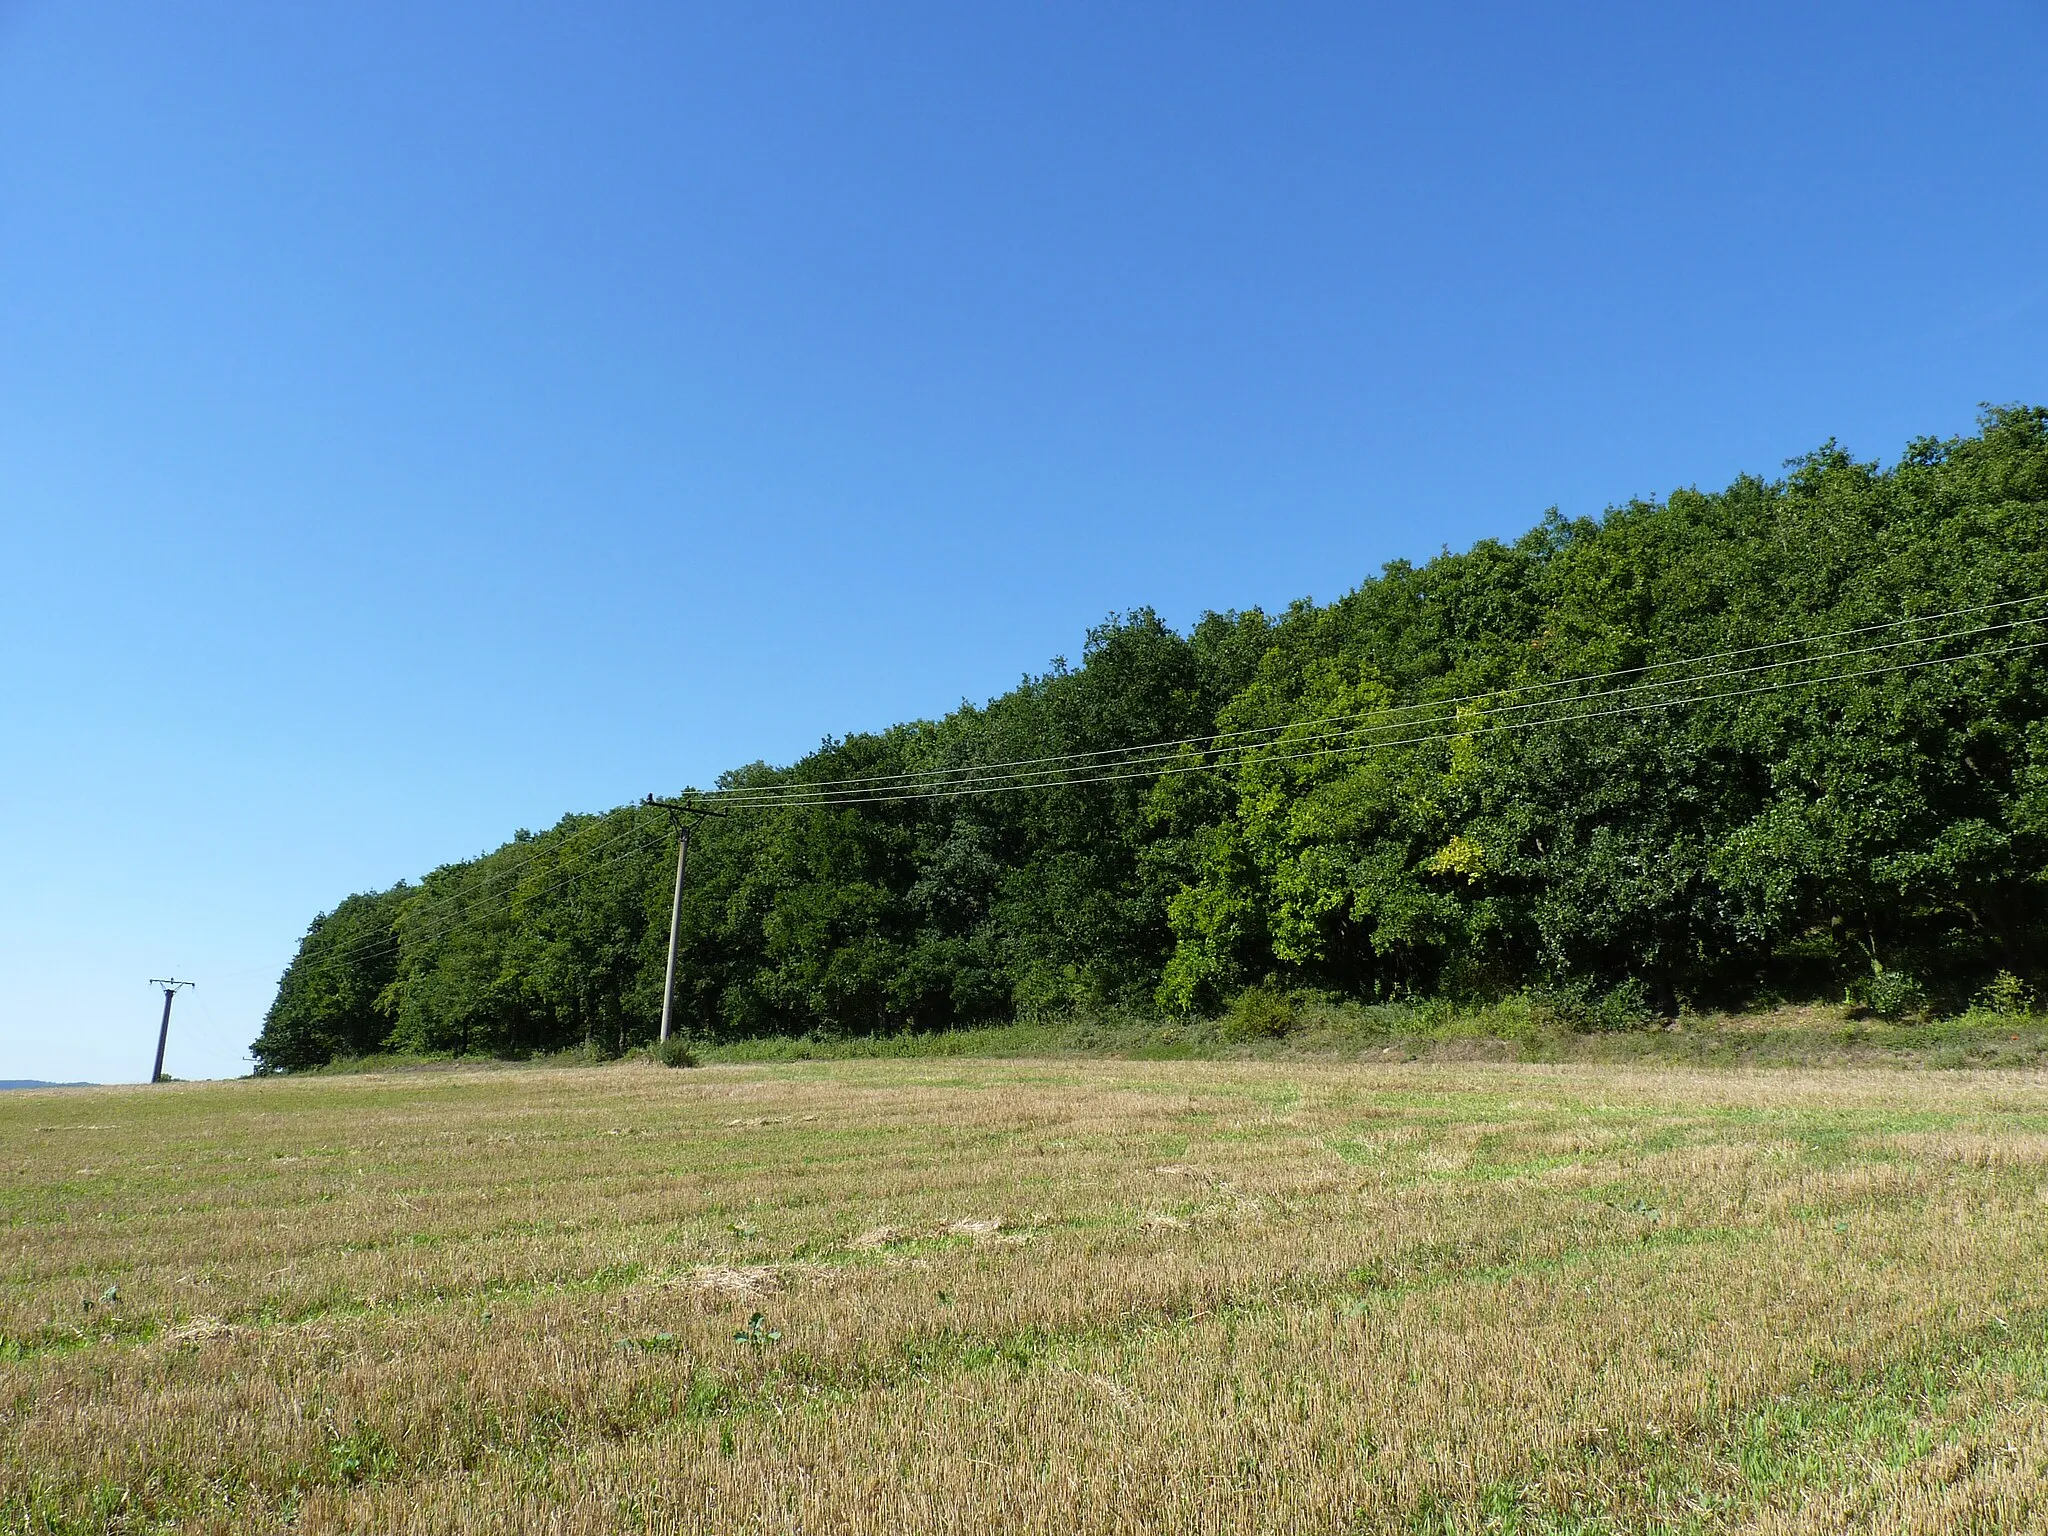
pixel 1884 834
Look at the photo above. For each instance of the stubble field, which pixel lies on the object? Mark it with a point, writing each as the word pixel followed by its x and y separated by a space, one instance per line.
pixel 1073 1295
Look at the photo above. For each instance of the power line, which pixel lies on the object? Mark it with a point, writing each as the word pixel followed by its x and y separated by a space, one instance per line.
pixel 1167 753
pixel 1562 718
pixel 474 906
pixel 473 914
pixel 980 770
pixel 1153 760
pixel 499 878
pixel 364 948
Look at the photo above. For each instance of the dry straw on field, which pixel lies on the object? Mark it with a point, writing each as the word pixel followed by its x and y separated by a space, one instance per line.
pixel 1101 1296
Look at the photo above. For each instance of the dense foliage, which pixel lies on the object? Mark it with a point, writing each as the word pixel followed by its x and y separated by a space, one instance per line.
pixel 1886 833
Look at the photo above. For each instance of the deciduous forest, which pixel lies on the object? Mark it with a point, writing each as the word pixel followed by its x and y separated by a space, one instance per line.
pixel 1784 740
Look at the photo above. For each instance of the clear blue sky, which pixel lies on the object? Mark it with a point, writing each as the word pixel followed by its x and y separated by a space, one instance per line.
pixel 420 420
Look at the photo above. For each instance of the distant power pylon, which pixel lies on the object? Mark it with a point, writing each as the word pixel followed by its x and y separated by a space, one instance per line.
pixel 163 1033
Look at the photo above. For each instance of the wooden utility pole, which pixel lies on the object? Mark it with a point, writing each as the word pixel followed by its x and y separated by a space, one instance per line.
pixel 163 1032
pixel 675 925
pixel 678 811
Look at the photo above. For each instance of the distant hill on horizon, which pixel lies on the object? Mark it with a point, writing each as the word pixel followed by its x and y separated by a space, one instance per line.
pixel 36 1082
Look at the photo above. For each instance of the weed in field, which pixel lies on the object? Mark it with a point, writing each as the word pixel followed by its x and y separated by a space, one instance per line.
pixel 653 1344
pixel 708 1396
pixel 1257 1013
pixel 2006 996
pixel 1891 994
pixel 675 1051
pixel 359 1455
pixel 1582 1007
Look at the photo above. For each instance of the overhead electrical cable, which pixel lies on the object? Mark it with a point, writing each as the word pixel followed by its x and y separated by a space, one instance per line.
pixel 1387 718
pixel 473 911
pixel 477 908
pixel 1186 757
pixel 395 940
pixel 976 770
pixel 1560 717
pixel 1164 752
pixel 1211 766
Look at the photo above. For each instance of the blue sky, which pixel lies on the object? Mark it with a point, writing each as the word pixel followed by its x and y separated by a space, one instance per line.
pixel 417 421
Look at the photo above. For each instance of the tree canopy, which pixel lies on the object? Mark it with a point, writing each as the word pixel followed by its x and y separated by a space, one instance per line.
pixel 1754 840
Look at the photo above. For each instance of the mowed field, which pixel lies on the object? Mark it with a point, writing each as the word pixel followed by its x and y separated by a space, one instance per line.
pixel 1057 1295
